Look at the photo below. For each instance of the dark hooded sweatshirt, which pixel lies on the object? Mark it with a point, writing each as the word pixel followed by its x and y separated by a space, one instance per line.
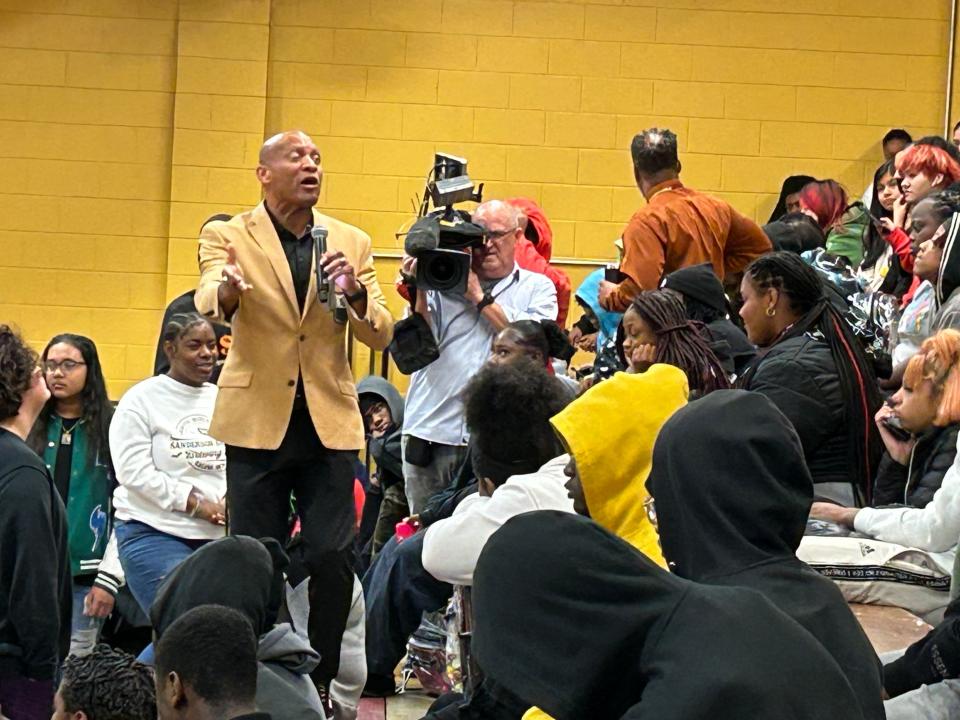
pixel 740 522
pixel 247 575
pixel 947 299
pixel 574 620
pixel 386 451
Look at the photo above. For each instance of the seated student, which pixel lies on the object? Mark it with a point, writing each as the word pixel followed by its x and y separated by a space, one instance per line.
pixel 843 225
pixel 609 458
pixel 911 471
pixel 656 330
pixel 881 269
pixel 740 523
pixel 247 575
pixel 789 200
pixel 35 583
pixel 397 588
pixel 916 320
pixel 705 302
pixel 207 667
pixel 540 341
pixel 947 290
pixel 596 331
pixel 382 408
pixel 72 437
pixel 796 233
pixel 812 367
pixel 105 684
pixel 516 458
pixel 171 473
pixel 925 536
pixel 572 619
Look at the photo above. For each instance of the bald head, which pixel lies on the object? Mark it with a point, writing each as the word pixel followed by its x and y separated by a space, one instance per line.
pixel 505 214
pixel 275 144
pixel 290 173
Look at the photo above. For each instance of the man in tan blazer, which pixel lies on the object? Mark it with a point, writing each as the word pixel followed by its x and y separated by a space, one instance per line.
pixel 287 406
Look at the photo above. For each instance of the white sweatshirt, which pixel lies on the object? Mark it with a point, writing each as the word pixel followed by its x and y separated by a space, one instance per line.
pixel 161 451
pixel 934 528
pixel 451 547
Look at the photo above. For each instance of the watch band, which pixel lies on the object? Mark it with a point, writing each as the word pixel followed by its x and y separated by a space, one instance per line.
pixel 356 296
pixel 487 300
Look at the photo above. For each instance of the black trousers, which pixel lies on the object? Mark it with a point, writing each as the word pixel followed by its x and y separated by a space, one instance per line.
pixel 259 486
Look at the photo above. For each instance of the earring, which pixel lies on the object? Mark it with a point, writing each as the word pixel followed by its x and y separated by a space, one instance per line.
pixel 771 311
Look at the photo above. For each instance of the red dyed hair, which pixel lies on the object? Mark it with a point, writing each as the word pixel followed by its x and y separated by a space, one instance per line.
pixel 826 199
pixel 931 161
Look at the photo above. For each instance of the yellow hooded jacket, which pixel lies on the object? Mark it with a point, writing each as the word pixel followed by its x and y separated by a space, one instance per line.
pixel 610 432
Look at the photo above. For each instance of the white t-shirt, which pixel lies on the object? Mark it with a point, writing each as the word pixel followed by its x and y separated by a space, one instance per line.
pixel 161 451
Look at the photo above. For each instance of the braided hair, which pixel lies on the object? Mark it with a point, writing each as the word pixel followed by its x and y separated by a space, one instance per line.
pixel 679 341
pixel 108 684
pixel 178 325
pixel 802 286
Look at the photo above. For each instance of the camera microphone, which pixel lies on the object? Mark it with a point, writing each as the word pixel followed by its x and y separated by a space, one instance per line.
pixel 319 235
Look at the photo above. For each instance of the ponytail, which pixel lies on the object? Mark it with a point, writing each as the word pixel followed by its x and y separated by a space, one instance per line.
pixel 803 288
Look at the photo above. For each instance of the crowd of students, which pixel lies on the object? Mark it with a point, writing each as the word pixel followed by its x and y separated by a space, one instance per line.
pixel 674 528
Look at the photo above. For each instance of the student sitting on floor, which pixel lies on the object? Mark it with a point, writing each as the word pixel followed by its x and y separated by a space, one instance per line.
pixel 516 458
pixel 610 458
pixel 207 667
pixel 740 522
pixel 911 549
pixel 105 684
pixel 572 619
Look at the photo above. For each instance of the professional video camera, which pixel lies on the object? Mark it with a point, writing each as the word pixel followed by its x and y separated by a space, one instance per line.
pixel 441 240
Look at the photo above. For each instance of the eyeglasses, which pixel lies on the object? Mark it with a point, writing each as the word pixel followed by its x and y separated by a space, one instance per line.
pixel 494 235
pixel 65 366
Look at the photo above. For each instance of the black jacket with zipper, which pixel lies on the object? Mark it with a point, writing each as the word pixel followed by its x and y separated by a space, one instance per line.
pixel 915 483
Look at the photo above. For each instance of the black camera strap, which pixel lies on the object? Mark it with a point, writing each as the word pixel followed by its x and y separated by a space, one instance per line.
pixel 442 331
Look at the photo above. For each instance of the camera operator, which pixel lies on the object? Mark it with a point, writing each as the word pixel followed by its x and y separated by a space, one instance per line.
pixel 498 293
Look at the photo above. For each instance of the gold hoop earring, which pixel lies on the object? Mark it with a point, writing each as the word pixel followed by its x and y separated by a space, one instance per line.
pixel 771 311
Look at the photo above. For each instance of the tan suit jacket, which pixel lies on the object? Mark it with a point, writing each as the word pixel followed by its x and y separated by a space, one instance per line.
pixel 273 342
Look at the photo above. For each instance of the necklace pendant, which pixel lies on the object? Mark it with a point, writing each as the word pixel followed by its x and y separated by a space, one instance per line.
pixel 66 439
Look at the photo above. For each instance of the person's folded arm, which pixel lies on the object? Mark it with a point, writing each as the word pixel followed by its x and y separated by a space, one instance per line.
pixel 934 528
pixel 452 547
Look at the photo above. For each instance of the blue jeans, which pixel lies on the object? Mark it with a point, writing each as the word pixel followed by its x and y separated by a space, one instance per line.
pixel 84 631
pixel 147 556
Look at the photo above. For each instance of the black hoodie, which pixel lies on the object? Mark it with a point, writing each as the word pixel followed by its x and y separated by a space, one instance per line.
pixel 947 298
pixel 740 521
pixel 574 620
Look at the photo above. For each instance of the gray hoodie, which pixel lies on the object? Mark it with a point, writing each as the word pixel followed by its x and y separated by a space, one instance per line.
pixel 284 687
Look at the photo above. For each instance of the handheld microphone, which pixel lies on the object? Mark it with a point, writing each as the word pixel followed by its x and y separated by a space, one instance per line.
pixel 319 235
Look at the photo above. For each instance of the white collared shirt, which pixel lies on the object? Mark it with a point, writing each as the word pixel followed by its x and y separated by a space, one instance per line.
pixel 434 408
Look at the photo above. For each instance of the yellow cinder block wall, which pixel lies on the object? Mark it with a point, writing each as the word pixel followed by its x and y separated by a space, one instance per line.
pixel 125 123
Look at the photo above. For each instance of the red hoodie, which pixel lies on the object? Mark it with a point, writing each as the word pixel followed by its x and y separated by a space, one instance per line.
pixel 534 251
